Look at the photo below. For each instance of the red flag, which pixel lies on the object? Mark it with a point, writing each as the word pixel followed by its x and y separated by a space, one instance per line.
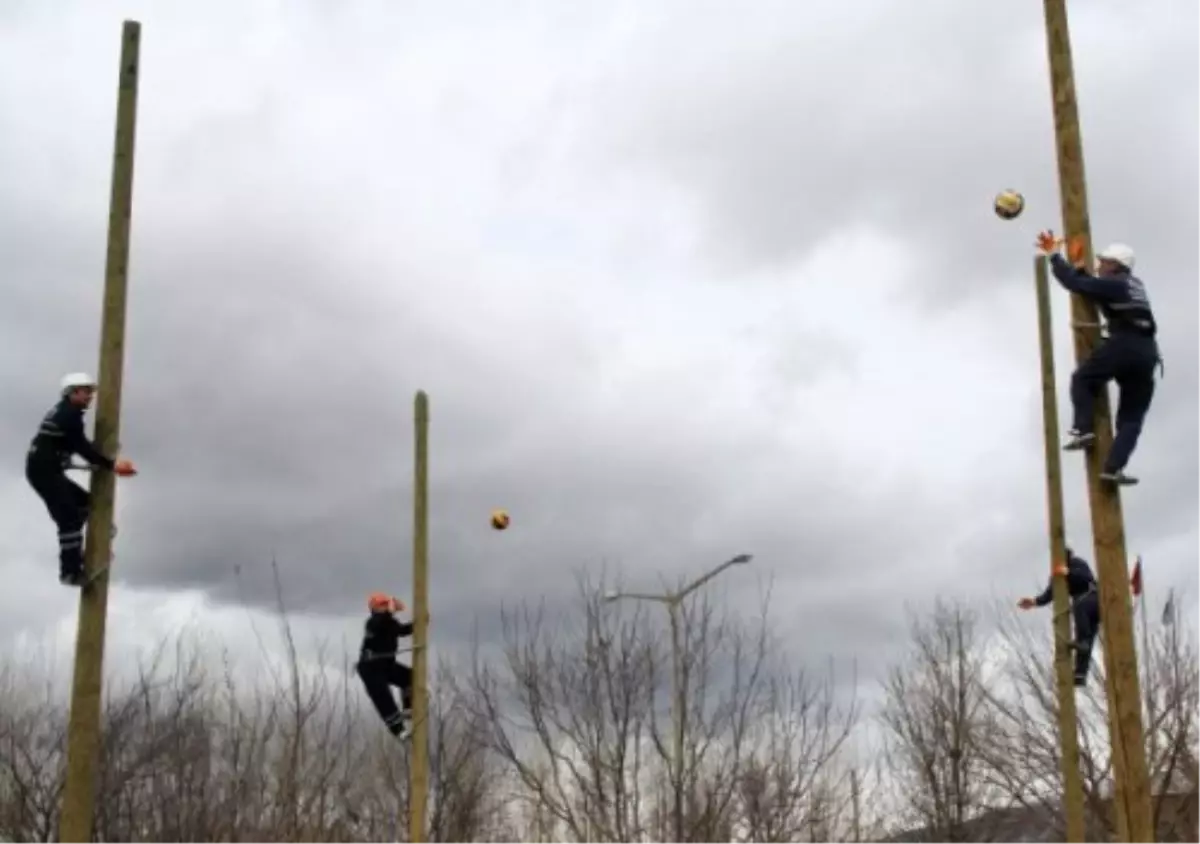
pixel 1135 582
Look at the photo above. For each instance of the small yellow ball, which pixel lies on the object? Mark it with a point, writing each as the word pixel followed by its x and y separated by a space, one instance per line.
pixel 1009 204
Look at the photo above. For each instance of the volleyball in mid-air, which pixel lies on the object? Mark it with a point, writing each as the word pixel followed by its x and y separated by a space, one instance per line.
pixel 1009 204
pixel 499 519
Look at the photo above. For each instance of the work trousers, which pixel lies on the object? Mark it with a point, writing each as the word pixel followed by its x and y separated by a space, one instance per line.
pixel 378 676
pixel 68 504
pixel 1086 611
pixel 1130 360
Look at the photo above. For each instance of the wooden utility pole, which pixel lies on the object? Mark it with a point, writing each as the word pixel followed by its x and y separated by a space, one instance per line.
pixel 1131 785
pixel 83 730
pixel 418 788
pixel 1068 723
pixel 1147 660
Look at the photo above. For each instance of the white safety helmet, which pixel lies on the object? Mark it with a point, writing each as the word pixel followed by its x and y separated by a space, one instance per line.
pixel 76 380
pixel 1118 253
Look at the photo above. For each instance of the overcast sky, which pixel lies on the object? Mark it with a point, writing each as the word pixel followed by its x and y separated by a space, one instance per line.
pixel 682 279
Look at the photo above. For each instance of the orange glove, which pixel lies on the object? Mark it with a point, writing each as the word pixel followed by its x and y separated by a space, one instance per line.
pixel 125 468
pixel 1027 603
pixel 1075 250
pixel 1047 242
pixel 1060 571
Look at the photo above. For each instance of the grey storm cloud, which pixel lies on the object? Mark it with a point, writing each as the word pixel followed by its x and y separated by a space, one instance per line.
pixel 781 134
pixel 784 134
pixel 307 253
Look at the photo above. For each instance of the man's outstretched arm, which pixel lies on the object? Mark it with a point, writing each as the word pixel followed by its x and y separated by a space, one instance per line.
pixel 1079 280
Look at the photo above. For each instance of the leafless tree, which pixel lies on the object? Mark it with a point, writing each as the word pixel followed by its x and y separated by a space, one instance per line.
pixel 938 726
pixel 792 786
pixel 563 733
pixel 189 755
pixel 33 734
pixel 1171 687
pixel 578 709
pixel 567 711
pixel 1025 753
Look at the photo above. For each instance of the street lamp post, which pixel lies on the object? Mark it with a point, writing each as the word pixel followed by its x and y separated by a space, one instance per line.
pixel 673 601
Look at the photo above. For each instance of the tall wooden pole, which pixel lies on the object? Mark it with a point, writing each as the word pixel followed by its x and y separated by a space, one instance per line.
pixel 1068 723
pixel 1147 661
pixel 1131 784
pixel 83 731
pixel 418 797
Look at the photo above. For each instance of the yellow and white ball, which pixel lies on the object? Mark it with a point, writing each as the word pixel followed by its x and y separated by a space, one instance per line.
pixel 1009 204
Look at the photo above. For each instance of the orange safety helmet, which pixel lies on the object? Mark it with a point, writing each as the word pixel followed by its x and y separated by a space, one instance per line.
pixel 379 602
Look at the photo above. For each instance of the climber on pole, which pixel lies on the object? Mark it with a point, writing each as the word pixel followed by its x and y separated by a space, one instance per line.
pixel 1128 355
pixel 378 667
pixel 1085 608
pixel 61 435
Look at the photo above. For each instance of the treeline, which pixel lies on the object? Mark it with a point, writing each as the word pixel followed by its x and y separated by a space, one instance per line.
pixel 564 730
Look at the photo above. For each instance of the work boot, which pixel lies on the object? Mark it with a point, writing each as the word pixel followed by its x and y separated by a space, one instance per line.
pixel 1080 681
pixel 72 578
pixel 405 732
pixel 1118 477
pixel 1077 440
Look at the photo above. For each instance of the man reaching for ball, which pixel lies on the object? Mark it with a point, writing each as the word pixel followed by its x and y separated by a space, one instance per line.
pixel 1128 355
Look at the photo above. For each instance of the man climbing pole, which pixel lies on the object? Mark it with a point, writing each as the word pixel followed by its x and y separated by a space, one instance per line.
pixel 378 667
pixel 1129 355
pixel 1085 608
pixel 61 435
